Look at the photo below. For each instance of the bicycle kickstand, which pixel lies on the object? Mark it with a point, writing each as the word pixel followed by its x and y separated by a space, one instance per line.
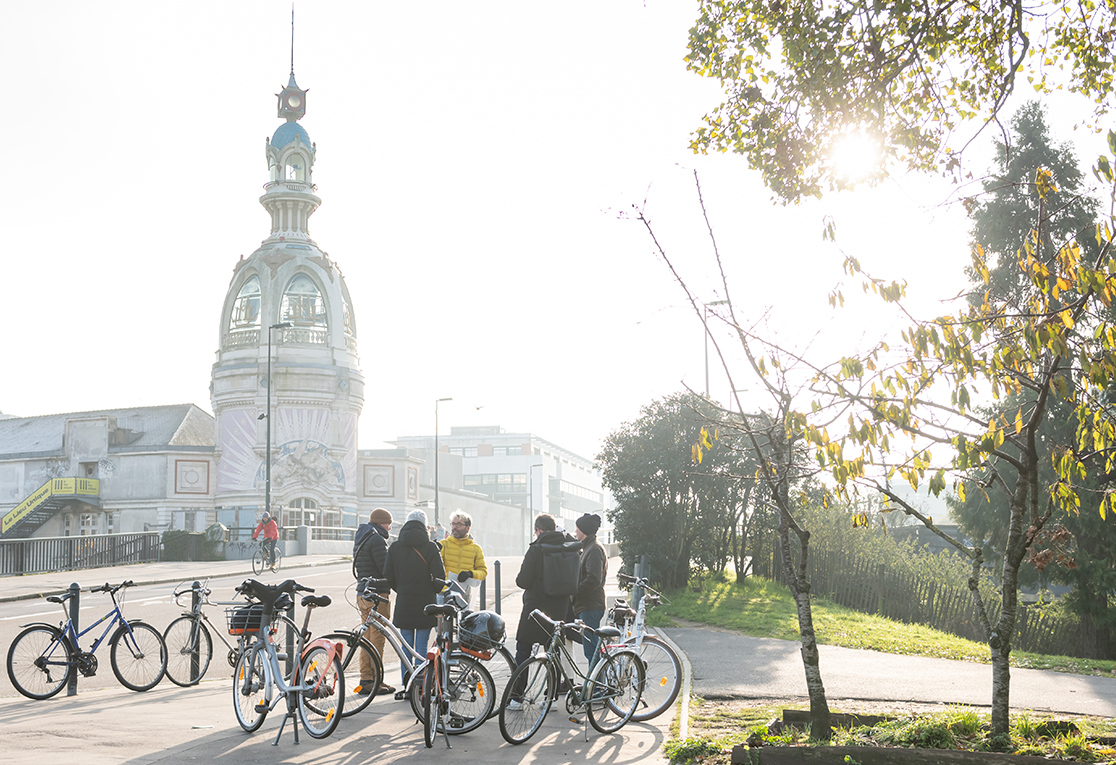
pixel 290 715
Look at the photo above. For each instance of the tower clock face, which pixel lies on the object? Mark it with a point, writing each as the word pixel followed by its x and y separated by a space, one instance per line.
pixel 293 101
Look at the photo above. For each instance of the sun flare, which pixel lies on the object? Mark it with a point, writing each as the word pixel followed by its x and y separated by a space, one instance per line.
pixel 855 157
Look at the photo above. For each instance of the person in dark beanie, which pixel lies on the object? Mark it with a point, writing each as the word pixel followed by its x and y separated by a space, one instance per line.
pixel 370 546
pixel 589 602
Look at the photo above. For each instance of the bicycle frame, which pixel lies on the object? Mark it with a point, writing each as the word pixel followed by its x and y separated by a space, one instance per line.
pixel 196 612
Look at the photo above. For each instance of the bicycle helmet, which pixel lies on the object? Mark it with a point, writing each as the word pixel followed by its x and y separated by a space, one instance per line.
pixel 481 630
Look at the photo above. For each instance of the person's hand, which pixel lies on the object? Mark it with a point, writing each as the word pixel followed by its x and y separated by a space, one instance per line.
pixel 464 575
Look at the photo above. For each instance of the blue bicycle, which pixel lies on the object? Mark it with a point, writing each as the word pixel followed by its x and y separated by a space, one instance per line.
pixel 43 657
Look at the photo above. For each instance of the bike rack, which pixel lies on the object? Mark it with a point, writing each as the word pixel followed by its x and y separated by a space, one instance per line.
pixel 75 593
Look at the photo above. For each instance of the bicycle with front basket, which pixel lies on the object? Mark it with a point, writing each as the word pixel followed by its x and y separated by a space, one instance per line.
pixel 609 694
pixel 43 657
pixel 314 687
pixel 189 637
pixel 661 664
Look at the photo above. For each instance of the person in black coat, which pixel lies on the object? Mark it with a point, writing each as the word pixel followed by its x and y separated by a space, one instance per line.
pixel 413 562
pixel 530 580
pixel 370 546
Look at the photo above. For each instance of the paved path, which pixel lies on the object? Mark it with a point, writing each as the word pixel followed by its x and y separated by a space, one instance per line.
pixel 727 664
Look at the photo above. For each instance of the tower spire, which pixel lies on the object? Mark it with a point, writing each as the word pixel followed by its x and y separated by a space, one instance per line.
pixel 292 40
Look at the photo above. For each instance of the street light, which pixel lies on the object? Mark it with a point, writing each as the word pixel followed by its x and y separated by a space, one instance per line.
pixel 267 415
pixel 530 504
pixel 436 402
pixel 705 326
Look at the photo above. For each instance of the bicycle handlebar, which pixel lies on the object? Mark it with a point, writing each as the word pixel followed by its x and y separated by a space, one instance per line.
pixel 111 588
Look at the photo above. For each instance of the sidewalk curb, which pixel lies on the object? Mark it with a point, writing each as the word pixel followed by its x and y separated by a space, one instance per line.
pixel 147 582
pixel 684 692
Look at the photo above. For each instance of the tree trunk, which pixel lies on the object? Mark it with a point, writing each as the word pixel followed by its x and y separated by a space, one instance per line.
pixel 820 721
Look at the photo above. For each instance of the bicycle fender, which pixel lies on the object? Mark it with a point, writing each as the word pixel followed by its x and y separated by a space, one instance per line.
pixel 332 647
pixel 54 627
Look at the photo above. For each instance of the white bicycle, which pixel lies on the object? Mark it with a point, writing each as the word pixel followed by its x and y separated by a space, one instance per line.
pixel 663 668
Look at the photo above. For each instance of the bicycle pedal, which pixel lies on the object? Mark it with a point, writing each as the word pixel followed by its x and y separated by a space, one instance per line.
pixel 261 707
pixel 575 720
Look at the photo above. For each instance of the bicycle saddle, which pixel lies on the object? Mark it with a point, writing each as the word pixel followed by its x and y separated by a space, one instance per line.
pixel 316 601
pixel 605 632
pixel 439 610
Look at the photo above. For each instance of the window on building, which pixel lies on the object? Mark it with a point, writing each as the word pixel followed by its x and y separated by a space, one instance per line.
pixel 472 480
pixel 246 308
pixel 303 304
pixel 296 168
pixel 87 524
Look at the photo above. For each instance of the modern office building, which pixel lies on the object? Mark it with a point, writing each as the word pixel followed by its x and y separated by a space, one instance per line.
pixel 517 468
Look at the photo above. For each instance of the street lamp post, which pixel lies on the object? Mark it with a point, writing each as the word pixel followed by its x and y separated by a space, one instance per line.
pixel 705 326
pixel 267 416
pixel 530 504
pixel 436 476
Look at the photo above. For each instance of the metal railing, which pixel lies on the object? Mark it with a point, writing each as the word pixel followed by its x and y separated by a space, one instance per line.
pixel 34 556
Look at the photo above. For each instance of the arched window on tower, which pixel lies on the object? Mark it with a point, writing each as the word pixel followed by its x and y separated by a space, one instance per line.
pixel 303 305
pixel 295 168
pixel 246 309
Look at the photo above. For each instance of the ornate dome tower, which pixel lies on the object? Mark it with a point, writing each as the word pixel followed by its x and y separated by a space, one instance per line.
pixel 288 299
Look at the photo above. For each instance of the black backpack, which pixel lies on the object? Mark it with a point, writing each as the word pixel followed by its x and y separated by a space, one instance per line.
pixel 560 569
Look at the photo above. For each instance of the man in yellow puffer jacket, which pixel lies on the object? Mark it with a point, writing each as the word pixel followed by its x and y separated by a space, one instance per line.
pixel 463 558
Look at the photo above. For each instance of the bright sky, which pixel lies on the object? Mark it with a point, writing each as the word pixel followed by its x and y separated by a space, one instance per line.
pixel 473 162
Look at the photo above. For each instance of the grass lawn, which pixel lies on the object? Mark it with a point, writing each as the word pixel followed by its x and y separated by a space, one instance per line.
pixel 762 608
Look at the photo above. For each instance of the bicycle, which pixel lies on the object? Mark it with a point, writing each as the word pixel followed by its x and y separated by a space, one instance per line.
pixel 661 663
pixel 499 662
pixel 43 657
pixel 315 685
pixel 189 637
pixel 609 695
pixel 456 690
pixel 261 562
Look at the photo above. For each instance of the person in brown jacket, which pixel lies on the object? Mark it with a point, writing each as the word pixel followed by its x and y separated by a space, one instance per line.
pixel 589 602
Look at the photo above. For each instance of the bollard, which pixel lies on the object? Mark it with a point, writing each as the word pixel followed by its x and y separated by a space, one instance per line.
pixel 195 601
pixel 641 570
pixel 483 593
pixel 496 591
pixel 75 596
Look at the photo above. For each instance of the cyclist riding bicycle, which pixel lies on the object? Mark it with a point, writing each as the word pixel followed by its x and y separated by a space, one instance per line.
pixel 271 535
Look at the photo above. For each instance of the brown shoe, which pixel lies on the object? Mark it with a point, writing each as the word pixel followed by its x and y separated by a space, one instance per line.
pixel 385 689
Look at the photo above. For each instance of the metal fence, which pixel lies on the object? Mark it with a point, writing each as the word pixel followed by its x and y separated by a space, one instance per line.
pixel 35 556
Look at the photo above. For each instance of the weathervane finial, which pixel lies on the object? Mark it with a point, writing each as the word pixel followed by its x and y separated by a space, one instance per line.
pixel 292 39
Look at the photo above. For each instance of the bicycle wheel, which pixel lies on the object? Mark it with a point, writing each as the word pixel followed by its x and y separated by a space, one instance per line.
pixel 189 649
pixel 40 661
pixel 431 701
pixel 614 690
pixel 526 700
pixel 276 560
pixel 250 681
pixel 284 636
pixel 258 563
pixel 500 666
pixel 469 695
pixel 138 655
pixel 355 650
pixel 663 671
pixel 320 705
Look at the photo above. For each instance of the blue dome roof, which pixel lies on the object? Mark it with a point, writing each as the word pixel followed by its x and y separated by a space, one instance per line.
pixel 287 133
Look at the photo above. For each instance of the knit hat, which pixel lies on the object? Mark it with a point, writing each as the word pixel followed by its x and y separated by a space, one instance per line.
pixel 380 516
pixel 417 515
pixel 589 523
